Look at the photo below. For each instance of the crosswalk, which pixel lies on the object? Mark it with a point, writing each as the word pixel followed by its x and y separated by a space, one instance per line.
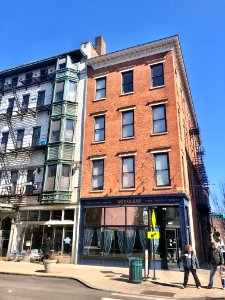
pixel 128 296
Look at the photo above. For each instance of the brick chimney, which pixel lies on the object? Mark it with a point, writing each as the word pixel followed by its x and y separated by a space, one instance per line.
pixel 100 45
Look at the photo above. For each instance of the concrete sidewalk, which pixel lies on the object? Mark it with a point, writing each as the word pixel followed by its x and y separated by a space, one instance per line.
pixel 117 280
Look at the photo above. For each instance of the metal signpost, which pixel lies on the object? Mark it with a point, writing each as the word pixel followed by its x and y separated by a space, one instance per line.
pixel 153 235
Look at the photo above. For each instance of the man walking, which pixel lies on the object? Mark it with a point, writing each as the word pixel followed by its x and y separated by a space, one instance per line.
pixel 215 260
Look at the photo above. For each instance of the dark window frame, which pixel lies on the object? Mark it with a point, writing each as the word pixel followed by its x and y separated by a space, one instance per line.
pixel 156 171
pixel 154 121
pixel 127 125
pixel 99 188
pixel 100 129
pixel 153 85
pixel 22 132
pixel 124 173
pixel 127 87
pixel 100 89
pixel 25 102
pixel 33 143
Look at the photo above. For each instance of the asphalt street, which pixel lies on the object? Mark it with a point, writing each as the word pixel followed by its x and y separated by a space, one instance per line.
pixel 18 287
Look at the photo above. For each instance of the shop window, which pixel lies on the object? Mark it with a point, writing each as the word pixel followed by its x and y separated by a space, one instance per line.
pixel 44 215
pixel 33 215
pixel 56 215
pixel 23 215
pixel 68 240
pixel 69 214
pixel 128 180
pixel 93 216
pixel 115 216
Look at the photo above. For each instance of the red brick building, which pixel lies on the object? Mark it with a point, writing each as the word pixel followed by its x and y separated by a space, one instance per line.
pixel 142 151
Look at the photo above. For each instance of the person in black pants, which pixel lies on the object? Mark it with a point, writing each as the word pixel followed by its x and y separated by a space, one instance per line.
pixel 190 262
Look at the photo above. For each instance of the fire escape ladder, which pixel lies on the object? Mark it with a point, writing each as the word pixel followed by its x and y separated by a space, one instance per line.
pixel 21 112
pixel 3 167
pixel 9 123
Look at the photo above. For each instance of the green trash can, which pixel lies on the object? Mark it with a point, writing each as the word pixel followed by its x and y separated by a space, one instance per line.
pixel 135 269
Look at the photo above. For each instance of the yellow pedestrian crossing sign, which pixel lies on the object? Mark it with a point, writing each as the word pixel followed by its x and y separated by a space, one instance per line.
pixel 153 234
pixel 153 220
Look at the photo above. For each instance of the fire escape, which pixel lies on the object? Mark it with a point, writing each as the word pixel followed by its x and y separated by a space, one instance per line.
pixel 10 188
pixel 200 172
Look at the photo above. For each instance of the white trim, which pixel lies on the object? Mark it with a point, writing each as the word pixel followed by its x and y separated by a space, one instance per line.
pixel 127 108
pixel 124 154
pixel 159 102
pixel 100 113
pixel 154 62
pixel 162 150
pixel 123 70
pixel 97 157
pixel 125 94
pixel 97 76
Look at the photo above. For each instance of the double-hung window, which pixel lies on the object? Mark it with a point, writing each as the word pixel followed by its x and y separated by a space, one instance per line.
pixel 55 128
pixel 51 174
pixel 157 75
pixel 100 88
pixel 68 135
pixel 128 172
pixel 5 137
pixel 25 102
pixel 99 130
pixel 64 182
pixel 36 136
pixel 72 91
pixel 59 91
pixel 40 99
pixel 98 174
pixel 14 178
pixel 159 118
pixel 127 124
pixel 162 176
pixel 20 136
pixel 127 82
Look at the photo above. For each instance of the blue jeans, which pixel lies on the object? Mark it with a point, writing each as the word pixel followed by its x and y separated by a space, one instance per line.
pixel 212 273
pixel 223 283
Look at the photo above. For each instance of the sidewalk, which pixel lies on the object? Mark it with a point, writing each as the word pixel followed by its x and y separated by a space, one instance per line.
pixel 116 280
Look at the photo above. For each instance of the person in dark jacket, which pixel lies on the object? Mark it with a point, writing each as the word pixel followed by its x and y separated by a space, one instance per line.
pixel 190 263
pixel 47 247
pixel 215 260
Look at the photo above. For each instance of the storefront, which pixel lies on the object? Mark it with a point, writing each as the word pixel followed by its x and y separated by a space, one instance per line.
pixel 115 228
pixel 34 226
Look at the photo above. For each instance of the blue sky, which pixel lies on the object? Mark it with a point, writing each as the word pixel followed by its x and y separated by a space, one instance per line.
pixel 31 30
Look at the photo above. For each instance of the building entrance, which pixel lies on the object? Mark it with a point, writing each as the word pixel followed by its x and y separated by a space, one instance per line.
pixel 5 233
pixel 172 243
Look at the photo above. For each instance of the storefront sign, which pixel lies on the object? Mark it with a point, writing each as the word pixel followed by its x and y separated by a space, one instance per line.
pixel 153 234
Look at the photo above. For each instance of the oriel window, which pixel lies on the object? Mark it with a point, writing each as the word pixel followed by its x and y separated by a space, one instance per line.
pixel 59 91
pixel 55 128
pixel 68 135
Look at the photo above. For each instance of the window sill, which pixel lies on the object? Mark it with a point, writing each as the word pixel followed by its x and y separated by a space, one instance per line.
pixel 125 94
pixel 162 187
pixel 97 191
pixel 127 189
pixel 128 138
pixel 157 87
pixel 160 133
pixel 96 100
pixel 100 142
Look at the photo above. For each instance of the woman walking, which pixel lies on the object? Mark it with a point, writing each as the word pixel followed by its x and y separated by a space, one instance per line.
pixel 190 262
